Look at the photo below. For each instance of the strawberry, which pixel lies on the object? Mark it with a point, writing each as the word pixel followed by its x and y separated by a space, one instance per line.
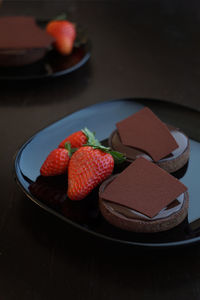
pixel 56 162
pixel 64 33
pixel 79 138
pixel 88 167
pixel 76 139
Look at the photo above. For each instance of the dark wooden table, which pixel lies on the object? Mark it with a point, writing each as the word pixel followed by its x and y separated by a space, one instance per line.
pixel 139 49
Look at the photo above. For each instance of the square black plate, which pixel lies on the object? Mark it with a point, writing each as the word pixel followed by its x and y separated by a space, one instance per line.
pixel 50 193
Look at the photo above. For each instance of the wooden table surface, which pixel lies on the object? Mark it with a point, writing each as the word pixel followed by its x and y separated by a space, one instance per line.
pixel 145 49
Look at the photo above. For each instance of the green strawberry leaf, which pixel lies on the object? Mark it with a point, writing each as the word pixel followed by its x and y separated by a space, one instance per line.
pixel 82 36
pixel 60 17
pixel 117 156
pixel 68 146
pixel 70 149
pixel 91 137
pixel 94 143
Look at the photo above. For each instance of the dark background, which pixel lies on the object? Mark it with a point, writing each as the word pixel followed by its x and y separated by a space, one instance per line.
pixel 140 48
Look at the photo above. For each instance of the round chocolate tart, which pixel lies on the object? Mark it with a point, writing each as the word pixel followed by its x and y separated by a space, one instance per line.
pixel 15 58
pixel 22 41
pixel 173 162
pixel 131 220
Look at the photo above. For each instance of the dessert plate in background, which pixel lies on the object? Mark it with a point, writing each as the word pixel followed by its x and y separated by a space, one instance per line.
pixel 50 193
pixel 53 64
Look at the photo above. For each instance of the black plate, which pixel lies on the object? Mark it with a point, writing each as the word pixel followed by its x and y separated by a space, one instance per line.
pixel 53 64
pixel 50 193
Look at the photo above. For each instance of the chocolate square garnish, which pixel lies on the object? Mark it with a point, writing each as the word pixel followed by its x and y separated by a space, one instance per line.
pixel 144 187
pixel 145 131
pixel 22 32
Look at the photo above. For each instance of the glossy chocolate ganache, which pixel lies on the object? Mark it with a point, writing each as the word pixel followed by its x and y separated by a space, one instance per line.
pixel 145 135
pixel 139 202
pixel 22 41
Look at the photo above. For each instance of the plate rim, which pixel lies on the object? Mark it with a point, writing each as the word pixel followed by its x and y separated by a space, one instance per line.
pixel 16 158
pixel 82 62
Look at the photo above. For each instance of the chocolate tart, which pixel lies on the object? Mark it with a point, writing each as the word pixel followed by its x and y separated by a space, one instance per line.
pixel 128 219
pixel 22 41
pixel 173 162
pixel 14 58
pixel 143 134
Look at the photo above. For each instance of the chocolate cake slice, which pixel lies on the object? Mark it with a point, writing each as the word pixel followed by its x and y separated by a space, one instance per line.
pixel 22 41
pixel 143 198
pixel 143 134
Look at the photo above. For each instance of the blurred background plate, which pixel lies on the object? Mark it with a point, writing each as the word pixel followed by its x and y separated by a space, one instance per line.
pixel 53 64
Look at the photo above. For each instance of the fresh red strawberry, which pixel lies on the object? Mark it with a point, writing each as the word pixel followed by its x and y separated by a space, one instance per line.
pixel 76 139
pixel 56 162
pixel 79 138
pixel 88 167
pixel 64 33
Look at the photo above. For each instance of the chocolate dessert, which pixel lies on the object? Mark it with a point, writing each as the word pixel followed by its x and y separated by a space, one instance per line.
pixel 143 198
pixel 22 41
pixel 143 134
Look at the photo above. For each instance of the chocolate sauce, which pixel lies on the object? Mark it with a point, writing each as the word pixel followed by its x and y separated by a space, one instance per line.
pixel 179 156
